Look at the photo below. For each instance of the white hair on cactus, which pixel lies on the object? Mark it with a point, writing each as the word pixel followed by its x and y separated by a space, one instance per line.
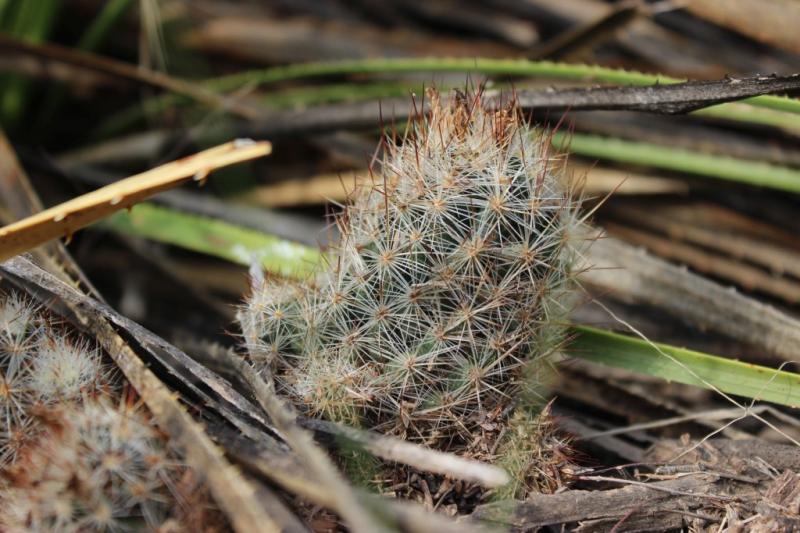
pixel 95 467
pixel 62 369
pixel 40 364
pixel 71 460
pixel 451 277
pixel 19 331
pixel 17 317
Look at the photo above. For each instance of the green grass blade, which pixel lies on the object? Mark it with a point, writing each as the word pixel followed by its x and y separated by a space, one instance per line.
pixel 743 112
pixel 32 22
pixel 4 9
pixel 216 238
pixel 685 366
pixel 103 23
pixel 745 171
pixel 92 38
pixel 338 92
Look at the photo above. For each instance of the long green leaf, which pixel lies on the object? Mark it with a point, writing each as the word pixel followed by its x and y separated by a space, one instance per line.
pixel 31 21
pixel 92 38
pixel 685 366
pixel 216 238
pixel 709 165
pixel 103 23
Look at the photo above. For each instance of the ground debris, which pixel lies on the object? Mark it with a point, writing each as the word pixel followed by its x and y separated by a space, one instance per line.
pixel 717 485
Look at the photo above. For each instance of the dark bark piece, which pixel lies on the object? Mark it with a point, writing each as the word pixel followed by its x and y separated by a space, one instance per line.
pixel 671 99
pixel 665 99
pixel 780 510
pixel 778 456
pixel 707 480
pixel 659 500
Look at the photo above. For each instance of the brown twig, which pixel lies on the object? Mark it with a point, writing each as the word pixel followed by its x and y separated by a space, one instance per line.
pixel 397 450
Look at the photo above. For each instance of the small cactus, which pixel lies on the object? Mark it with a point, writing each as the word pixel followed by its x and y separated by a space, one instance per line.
pixel 40 366
pixel 70 460
pixel 450 282
pixel 539 455
pixel 94 467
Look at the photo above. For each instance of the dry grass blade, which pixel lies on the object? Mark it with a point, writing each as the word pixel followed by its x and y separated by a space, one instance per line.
pixel 235 495
pixel 397 450
pixel 744 275
pixel 776 258
pixel 64 219
pixel 20 200
pixel 344 498
pixel 650 280
pixel 339 187
pixel 287 472
pixel 768 21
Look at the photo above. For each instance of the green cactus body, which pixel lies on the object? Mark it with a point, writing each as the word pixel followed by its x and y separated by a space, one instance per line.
pixel 450 278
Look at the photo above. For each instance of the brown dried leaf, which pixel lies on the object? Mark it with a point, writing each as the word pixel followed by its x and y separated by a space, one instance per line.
pixel 65 219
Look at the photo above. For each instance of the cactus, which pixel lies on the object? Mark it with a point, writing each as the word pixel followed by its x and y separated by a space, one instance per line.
pixel 448 286
pixel 93 468
pixel 40 365
pixel 69 459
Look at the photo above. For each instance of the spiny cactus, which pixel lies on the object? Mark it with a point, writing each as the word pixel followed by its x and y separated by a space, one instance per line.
pixel 39 365
pixel 95 467
pixel 451 277
pixel 69 459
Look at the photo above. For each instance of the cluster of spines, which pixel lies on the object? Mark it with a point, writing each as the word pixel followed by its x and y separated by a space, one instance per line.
pixel 93 467
pixel 40 367
pixel 451 277
pixel 75 453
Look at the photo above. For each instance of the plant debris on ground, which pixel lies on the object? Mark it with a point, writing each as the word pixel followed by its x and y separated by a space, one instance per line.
pixel 527 266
